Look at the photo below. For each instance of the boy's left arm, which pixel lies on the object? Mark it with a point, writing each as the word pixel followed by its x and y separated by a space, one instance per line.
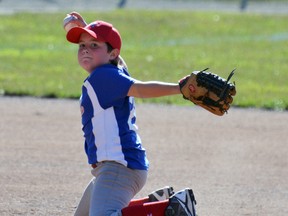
pixel 151 89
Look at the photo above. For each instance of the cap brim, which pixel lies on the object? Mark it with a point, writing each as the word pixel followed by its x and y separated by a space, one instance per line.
pixel 74 34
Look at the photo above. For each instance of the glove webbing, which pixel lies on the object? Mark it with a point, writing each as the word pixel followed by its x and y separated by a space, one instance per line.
pixel 211 81
pixel 215 84
pixel 210 103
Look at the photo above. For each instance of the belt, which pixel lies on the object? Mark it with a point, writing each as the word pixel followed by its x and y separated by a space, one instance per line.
pixel 93 166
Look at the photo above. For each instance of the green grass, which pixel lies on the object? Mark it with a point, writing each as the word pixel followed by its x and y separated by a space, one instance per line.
pixel 36 60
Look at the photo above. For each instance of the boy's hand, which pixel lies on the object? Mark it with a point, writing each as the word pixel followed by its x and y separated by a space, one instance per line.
pixel 73 19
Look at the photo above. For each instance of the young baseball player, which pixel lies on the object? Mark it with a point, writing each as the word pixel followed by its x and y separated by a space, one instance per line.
pixel 114 149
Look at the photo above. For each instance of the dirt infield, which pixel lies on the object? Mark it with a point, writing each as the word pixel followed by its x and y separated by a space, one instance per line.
pixel 236 164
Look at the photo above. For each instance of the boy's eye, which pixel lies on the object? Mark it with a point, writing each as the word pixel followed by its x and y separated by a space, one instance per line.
pixel 83 45
pixel 94 45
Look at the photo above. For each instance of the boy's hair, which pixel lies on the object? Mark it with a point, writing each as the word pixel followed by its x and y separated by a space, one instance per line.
pixel 118 61
pixel 113 61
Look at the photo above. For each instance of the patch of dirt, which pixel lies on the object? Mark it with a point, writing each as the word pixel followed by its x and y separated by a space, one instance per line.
pixel 236 164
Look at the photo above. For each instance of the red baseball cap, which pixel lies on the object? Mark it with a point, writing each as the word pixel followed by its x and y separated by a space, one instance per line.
pixel 99 30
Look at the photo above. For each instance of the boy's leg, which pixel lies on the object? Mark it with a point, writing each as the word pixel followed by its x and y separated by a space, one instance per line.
pixel 137 202
pixel 150 208
pixel 115 185
pixel 83 206
pixel 157 208
pixel 157 195
pixel 181 203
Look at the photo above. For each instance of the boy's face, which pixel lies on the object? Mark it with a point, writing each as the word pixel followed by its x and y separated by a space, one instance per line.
pixel 92 53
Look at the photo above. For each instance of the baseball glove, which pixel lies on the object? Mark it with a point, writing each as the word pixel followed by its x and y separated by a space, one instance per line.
pixel 208 90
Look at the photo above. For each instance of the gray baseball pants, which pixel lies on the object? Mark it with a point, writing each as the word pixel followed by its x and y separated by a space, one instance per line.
pixel 110 190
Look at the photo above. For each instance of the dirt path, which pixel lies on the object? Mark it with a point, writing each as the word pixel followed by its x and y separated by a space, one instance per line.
pixel 236 164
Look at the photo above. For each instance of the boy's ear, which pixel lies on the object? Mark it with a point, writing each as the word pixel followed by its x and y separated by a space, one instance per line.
pixel 114 53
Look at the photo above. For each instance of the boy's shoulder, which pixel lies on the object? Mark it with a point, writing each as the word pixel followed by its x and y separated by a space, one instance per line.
pixel 112 69
pixel 108 71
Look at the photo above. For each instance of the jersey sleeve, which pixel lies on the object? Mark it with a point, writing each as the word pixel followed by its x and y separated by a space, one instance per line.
pixel 111 85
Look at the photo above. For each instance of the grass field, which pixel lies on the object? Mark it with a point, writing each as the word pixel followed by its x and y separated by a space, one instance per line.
pixel 36 60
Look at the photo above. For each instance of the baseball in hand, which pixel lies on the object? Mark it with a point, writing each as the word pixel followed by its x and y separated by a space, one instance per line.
pixel 73 20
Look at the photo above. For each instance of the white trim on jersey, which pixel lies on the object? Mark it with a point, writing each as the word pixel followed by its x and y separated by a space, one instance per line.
pixel 105 130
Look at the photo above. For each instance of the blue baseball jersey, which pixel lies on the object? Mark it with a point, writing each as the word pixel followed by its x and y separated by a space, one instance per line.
pixel 109 119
